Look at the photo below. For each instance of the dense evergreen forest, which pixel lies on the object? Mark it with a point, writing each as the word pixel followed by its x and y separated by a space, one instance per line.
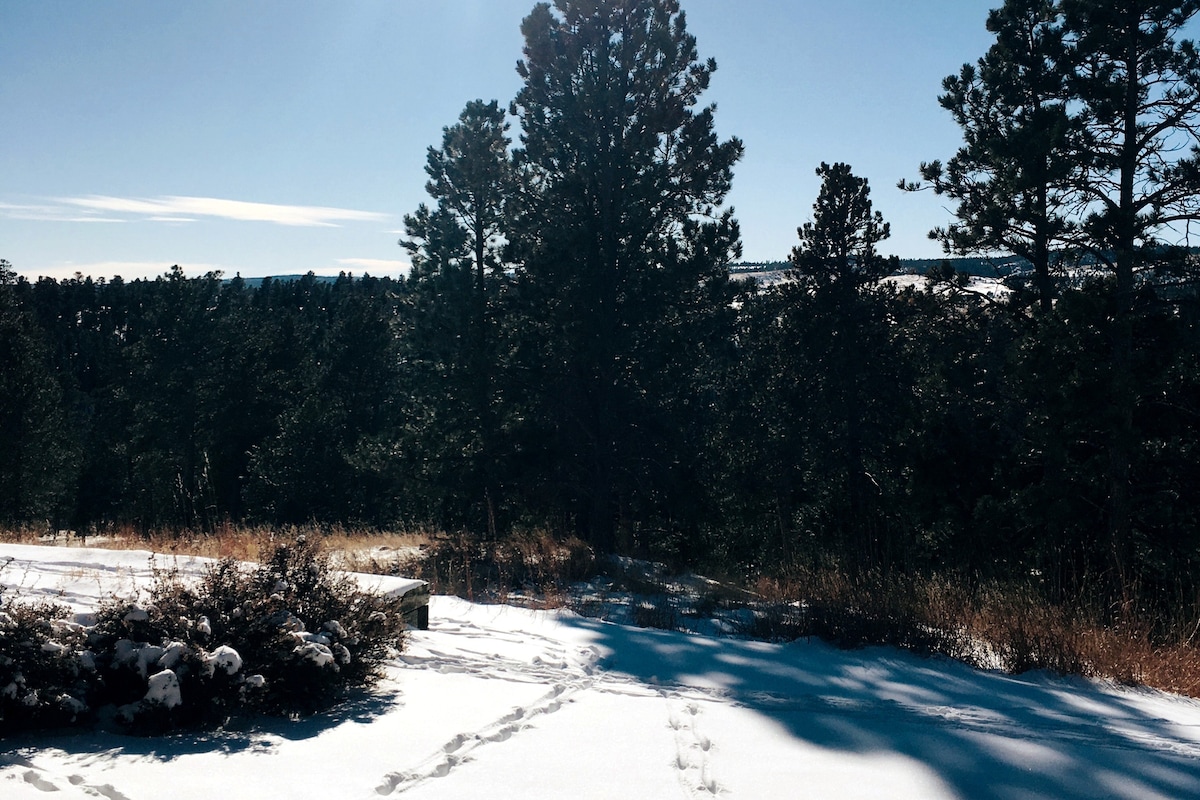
pixel 570 353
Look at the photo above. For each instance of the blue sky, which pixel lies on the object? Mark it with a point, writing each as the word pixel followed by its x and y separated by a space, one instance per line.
pixel 278 137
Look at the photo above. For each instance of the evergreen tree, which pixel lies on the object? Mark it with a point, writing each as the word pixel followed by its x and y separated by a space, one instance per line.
pixel 956 437
pixel 86 326
pixel 620 256
pixel 450 326
pixel 760 476
pixel 1011 176
pixel 318 463
pixel 1082 129
pixel 839 318
pixel 1137 88
pixel 250 389
pixel 837 249
pixel 470 178
pixel 37 454
pixel 171 391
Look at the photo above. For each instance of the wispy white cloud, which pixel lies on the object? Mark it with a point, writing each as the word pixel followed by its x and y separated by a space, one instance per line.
pixel 179 210
pixel 182 209
pixel 41 212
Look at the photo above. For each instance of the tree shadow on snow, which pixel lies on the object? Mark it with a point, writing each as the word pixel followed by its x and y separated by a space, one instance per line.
pixel 984 734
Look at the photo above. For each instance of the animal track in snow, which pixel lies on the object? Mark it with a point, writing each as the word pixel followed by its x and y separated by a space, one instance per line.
pixel 692 748
pixel 458 749
pixel 38 780
pixel 455 743
pixel 566 671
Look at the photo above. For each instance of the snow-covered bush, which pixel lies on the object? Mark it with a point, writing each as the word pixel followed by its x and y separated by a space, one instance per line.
pixel 328 635
pixel 290 637
pixel 158 679
pixel 45 675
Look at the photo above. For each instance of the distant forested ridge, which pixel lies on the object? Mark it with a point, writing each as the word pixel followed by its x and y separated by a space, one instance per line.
pixel 571 353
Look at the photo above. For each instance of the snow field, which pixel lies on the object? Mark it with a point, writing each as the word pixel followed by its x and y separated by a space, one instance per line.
pixel 497 702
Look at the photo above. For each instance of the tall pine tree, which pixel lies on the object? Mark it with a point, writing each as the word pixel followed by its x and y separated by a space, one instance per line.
pixel 1010 177
pixel 450 328
pixel 838 316
pixel 620 254
pixel 1137 85
pixel 1082 131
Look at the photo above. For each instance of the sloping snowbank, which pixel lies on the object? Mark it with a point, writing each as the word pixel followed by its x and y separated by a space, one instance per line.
pixel 499 702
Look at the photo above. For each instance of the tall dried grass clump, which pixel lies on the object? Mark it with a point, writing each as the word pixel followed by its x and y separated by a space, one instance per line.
pixel 1005 626
pixel 856 610
pixel 533 564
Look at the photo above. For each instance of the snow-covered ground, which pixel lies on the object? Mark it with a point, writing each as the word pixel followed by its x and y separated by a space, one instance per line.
pixel 988 287
pixel 985 287
pixel 499 702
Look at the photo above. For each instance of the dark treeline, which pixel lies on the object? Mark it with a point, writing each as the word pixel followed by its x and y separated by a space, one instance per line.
pixel 570 353
pixel 186 402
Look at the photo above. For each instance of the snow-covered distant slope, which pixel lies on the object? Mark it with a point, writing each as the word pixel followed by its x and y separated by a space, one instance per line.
pixel 499 702
pixel 987 286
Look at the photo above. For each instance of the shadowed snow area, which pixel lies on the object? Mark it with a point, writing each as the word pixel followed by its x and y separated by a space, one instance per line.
pixel 500 702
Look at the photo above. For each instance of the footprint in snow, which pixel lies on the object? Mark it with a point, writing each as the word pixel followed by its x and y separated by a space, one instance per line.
pixel 502 735
pixel 106 790
pixel 512 716
pixel 38 782
pixel 457 742
pixel 458 750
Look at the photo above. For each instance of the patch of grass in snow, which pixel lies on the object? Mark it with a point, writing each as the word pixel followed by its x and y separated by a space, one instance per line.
pixel 1123 645
pixel 655 612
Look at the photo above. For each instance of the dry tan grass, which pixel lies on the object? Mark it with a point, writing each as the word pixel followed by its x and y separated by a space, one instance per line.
pixel 1173 668
pixel 534 566
pixel 245 543
pixel 994 626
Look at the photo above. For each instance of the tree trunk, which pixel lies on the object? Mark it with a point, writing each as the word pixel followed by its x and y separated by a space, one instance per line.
pixel 1123 393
